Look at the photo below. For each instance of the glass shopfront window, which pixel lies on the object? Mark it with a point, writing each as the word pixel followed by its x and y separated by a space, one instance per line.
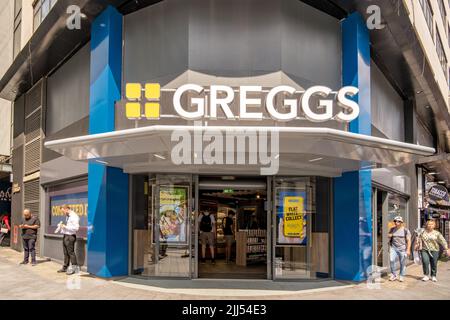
pixel 397 206
pixel 75 195
pixel 301 217
pixel 167 238
pixel 162 225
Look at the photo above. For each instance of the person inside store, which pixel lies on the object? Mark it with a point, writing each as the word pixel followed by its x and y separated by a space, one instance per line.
pixel 228 232
pixel 253 224
pixel 5 227
pixel 207 235
pixel 399 247
pixel 428 244
pixel 69 231
pixel 29 225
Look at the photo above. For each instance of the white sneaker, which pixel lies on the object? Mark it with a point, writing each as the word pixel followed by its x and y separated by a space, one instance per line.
pixel 434 279
pixel 425 278
pixel 401 279
pixel 393 277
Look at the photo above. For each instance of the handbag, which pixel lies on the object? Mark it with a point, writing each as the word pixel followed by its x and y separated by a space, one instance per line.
pixel 417 257
pixel 3 229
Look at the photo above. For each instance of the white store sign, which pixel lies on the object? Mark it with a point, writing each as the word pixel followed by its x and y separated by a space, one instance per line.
pixel 222 96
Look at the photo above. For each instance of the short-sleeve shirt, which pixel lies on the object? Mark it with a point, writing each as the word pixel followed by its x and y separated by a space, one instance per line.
pixel 30 233
pixel 398 238
pixel 227 230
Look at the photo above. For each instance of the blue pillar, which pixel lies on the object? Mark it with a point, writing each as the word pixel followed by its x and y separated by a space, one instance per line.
pixel 353 191
pixel 107 186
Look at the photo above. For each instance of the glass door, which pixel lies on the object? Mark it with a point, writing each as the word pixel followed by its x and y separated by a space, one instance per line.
pixel 171 223
pixel 293 205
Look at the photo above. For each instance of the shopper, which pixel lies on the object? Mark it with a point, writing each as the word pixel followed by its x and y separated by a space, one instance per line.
pixel 69 229
pixel 428 245
pixel 399 247
pixel 207 234
pixel 228 232
pixel 5 227
pixel 29 226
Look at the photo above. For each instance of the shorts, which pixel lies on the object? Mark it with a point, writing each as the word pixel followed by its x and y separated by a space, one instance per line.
pixel 229 239
pixel 207 238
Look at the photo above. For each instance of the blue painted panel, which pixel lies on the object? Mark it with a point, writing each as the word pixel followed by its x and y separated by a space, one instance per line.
pixel 106 69
pixel 353 191
pixel 107 186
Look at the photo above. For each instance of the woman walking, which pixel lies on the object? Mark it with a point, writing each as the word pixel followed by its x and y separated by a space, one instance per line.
pixel 428 246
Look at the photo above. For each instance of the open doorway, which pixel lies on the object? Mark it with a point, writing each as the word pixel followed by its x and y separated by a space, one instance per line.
pixel 232 228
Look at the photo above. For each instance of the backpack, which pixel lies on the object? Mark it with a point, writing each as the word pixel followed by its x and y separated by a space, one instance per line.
pixel 206 224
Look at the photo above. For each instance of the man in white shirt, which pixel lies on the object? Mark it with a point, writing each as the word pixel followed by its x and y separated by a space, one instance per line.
pixel 69 230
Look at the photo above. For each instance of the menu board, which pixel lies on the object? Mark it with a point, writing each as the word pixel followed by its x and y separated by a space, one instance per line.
pixel 173 214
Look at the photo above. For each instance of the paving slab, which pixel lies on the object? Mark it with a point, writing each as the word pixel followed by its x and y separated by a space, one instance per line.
pixel 41 282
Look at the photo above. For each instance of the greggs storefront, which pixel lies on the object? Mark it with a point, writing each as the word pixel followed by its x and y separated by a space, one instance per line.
pixel 233 139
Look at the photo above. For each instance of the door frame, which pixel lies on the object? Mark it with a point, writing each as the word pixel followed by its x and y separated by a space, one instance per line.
pixel 308 246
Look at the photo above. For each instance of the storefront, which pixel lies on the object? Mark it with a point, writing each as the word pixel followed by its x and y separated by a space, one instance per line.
pixel 277 132
pixel 288 238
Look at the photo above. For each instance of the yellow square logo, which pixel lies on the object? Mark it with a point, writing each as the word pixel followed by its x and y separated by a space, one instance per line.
pixel 133 110
pixel 152 91
pixel 133 107
pixel 133 91
pixel 152 110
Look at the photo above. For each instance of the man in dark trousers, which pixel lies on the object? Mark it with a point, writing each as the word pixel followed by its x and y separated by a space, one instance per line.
pixel 29 226
pixel 69 230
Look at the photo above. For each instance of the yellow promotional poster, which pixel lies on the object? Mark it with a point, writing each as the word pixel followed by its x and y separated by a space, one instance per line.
pixel 293 216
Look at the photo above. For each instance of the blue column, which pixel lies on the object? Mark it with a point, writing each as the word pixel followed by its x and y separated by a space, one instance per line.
pixel 107 186
pixel 353 191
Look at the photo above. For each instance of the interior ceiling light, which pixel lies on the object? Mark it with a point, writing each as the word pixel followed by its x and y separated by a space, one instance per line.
pixel 160 156
pixel 228 178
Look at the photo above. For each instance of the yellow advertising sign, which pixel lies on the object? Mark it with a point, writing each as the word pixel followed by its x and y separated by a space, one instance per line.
pixel 293 216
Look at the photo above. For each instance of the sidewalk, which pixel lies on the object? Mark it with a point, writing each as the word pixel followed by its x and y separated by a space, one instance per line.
pixel 42 282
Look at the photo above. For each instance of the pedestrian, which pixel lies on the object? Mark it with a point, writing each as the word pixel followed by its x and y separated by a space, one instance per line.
pixel 428 246
pixel 29 226
pixel 228 232
pixel 207 234
pixel 5 227
pixel 69 231
pixel 399 247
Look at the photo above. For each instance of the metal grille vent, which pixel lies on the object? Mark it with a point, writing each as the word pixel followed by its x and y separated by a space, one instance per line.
pixel 32 156
pixel 33 127
pixel 33 99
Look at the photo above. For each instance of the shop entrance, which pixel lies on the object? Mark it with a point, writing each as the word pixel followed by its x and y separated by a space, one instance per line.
pixel 232 228
pixel 253 227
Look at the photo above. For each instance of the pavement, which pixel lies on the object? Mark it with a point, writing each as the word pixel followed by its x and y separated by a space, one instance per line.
pixel 41 282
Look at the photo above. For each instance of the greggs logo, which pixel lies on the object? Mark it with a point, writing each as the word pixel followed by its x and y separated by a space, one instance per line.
pixel 152 95
pixel 206 102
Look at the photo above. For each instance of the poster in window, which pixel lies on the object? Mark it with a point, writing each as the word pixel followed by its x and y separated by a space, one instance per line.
pixel 77 202
pixel 173 213
pixel 292 218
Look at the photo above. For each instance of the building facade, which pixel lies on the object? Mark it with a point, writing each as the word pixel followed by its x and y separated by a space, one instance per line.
pixel 130 114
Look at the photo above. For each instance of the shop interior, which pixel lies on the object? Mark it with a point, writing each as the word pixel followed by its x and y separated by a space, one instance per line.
pixel 243 205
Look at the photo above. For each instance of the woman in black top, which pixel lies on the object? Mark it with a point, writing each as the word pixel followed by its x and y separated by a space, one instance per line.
pixel 228 233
